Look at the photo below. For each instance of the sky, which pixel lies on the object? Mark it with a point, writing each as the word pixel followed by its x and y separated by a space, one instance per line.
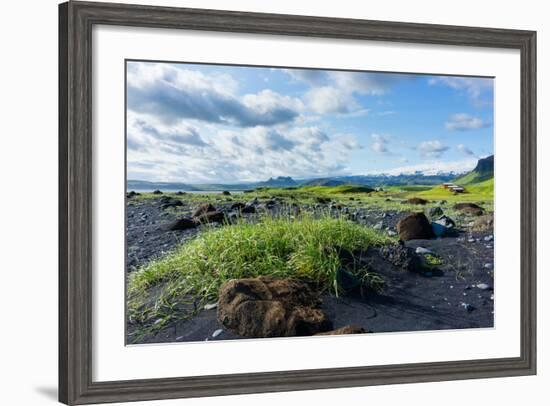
pixel 196 123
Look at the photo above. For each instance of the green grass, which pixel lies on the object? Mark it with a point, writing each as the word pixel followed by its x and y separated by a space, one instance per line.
pixel 482 191
pixel 307 249
pixel 390 198
pixel 344 189
pixel 473 177
pixel 486 187
pixel 433 260
pixel 415 188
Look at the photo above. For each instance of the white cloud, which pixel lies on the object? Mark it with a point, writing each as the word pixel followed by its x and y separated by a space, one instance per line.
pixel 334 91
pixel 211 154
pixel 465 150
pixel 328 99
pixel 267 102
pixel 479 90
pixel 431 149
pixel 172 94
pixel 464 122
pixel 310 137
pixel 435 167
pixel 368 83
pixel 311 76
pixel 380 143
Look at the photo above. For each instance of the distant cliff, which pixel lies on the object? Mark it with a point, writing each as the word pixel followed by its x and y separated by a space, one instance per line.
pixel 484 170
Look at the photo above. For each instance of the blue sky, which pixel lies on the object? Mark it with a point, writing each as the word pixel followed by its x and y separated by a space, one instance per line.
pixel 214 123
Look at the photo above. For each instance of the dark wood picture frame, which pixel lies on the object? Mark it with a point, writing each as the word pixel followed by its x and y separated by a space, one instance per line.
pixel 76 20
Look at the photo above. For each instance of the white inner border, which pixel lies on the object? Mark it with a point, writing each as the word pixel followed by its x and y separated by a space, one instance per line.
pixel 112 360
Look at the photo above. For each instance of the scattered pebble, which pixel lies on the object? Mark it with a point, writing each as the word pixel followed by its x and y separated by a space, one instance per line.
pixel 483 286
pixel 489 238
pixel 217 333
pixel 210 306
pixel 179 338
pixel 488 265
pixel 471 239
pixel 467 306
pixel 422 250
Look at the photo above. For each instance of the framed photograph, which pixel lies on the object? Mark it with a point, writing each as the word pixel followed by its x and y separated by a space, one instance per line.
pixel 260 202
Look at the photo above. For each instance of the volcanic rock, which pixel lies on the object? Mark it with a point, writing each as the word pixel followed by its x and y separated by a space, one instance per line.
pixel 269 307
pixel 414 226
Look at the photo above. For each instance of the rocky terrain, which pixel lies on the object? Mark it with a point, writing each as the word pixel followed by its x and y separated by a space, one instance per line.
pixel 440 276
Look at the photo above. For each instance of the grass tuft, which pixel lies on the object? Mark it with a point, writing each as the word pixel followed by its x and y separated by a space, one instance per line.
pixel 307 248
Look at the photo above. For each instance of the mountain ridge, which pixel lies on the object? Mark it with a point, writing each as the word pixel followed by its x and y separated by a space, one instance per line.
pixel 483 171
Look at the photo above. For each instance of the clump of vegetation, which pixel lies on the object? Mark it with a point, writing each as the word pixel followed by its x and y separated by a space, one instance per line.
pixel 309 249
pixel 433 260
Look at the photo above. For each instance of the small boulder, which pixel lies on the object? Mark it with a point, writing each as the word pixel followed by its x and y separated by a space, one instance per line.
pixel 469 208
pixel 181 224
pixel 483 223
pixel 468 307
pixel 378 226
pixel 211 217
pixel 443 226
pixel 322 200
pixel 203 208
pixel 423 251
pixel 226 193
pixel 416 200
pixel 238 206
pixel 252 202
pixel 414 226
pixel 269 307
pixel 157 192
pixel 344 330
pixel 400 256
pixel 131 194
pixel 170 203
pixel 248 209
pixel 434 212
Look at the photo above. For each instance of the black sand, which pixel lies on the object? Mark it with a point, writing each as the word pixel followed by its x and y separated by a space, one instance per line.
pixel 446 299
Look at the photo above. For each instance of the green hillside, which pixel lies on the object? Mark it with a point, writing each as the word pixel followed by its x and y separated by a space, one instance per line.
pixel 475 191
pixel 338 189
pixel 482 172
